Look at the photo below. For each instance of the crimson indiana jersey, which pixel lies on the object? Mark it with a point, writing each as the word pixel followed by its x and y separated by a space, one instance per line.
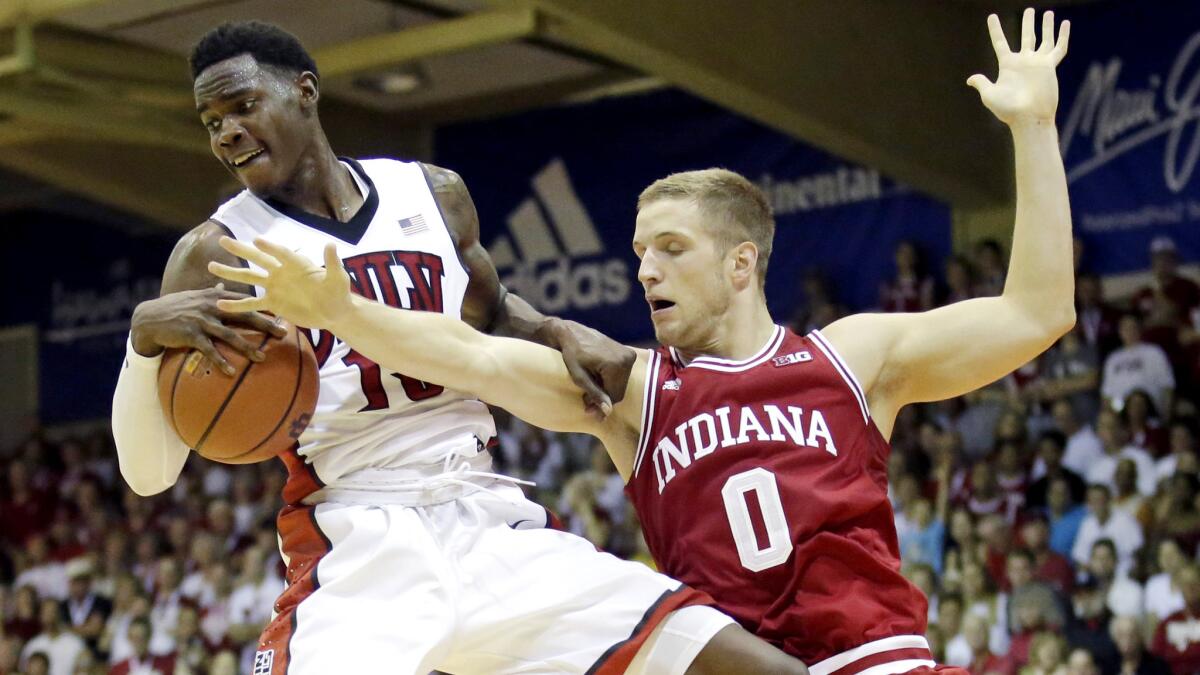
pixel 763 482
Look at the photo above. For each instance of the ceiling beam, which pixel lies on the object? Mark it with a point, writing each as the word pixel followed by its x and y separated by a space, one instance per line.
pixel 17 11
pixel 107 119
pixel 470 31
pixel 175 189
pixel 823 72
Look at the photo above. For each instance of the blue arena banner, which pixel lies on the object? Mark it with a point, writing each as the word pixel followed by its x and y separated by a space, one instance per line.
pixel 1128 119
pixel 556 191
pixel 80 281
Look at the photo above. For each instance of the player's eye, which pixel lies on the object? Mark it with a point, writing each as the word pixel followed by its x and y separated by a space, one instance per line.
pixel 247 105
pixel 213 125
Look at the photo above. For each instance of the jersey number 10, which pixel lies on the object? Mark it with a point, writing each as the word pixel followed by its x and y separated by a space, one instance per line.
pixel 758 484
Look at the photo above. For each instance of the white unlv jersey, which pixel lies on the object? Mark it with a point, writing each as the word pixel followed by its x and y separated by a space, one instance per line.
pixel 397 250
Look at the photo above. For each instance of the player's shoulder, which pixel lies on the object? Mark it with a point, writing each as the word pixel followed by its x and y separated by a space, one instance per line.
pixel 441 178
pixel 200 240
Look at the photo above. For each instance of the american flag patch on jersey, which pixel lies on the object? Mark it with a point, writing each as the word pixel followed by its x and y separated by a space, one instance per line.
pixel 413 224
pixel 263 662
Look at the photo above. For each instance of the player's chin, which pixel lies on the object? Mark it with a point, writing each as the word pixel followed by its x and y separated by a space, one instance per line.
pixel 665 333
pixel 258 180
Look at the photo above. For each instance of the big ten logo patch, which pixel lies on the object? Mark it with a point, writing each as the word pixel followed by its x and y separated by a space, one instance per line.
pixel 789 359
pixel 263 661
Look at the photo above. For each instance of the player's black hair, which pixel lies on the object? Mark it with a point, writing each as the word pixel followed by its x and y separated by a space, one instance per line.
pixel 267 43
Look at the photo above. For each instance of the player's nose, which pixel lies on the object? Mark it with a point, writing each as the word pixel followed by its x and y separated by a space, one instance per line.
pixel 231 134
pixel 648 270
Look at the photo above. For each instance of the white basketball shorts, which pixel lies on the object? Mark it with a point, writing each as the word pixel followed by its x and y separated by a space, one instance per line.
pixel 475 585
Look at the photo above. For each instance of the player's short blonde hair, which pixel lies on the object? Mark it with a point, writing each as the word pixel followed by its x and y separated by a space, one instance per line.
pixel 739 209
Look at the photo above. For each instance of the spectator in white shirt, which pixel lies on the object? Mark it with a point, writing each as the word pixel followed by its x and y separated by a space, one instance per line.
pixel 60 646
pixel 1123 595
pixel 1103 522
pixel 1114 434
pixel 1083 445
pixel 48 577
pixel 1137 365
pixel 1163 597
pixel 1182 443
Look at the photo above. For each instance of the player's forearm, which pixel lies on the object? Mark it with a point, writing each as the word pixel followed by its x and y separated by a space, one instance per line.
pixel 528 380
pixel 428 346
pixel 517 318
pixel 1041 279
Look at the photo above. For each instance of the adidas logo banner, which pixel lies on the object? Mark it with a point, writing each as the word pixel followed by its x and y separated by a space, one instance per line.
pixel 556 191
pixel 552 254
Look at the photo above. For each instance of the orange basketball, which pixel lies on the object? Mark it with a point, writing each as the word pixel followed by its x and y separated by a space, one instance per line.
pixel 252 415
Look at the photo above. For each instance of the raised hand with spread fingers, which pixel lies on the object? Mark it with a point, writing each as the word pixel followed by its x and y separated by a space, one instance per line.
pixel 1026 88
pixel 293 287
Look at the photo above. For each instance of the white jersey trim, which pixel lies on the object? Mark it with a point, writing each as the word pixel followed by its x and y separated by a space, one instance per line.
pixel 731 366
pixel 649 398
pixel 445 222
pixel 843 370
pixel 897 667
pixel 839 661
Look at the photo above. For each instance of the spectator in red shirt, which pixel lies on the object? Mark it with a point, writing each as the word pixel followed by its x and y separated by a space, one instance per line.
pixel 958 280
pixel 1183 293
pixel 23 623
pixel 24 510
pixel 1049 567
pixel 1177 639
pixel 911 290
pixel 1096 319
pixel 143 662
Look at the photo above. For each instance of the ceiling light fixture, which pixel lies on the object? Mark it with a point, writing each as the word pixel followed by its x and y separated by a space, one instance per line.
pixel 395 81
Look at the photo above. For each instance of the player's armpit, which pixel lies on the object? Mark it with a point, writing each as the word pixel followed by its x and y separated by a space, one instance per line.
pixel 945 352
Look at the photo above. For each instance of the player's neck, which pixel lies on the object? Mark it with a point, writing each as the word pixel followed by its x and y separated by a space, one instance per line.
pixel 740 334
pixel 322 186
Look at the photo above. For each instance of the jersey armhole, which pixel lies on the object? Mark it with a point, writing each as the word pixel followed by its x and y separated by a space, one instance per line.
pixel 649 398
pixel 844 370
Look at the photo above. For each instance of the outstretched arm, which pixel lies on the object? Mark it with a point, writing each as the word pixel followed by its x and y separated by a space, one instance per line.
pixel 906 358
pixel 525 378
pixel 598 365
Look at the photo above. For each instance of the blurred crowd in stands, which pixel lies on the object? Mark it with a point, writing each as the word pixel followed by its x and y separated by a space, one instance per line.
pixel 1052 518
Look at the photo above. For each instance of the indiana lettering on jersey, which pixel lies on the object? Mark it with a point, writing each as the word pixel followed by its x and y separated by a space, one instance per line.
pixel 730 426
pixel 382 276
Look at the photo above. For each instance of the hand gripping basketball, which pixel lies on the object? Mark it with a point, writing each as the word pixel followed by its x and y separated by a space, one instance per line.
pixel 1026 88
pixel 293 287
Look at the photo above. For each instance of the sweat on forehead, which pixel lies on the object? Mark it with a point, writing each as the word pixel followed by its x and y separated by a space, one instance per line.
pixel 232 76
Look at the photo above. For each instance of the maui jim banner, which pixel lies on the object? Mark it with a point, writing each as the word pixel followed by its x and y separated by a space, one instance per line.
pixel 1128 119
pixel 557 189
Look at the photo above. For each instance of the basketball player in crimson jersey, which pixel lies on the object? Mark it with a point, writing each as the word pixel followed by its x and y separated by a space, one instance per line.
pixel 756 458
pixel 404 552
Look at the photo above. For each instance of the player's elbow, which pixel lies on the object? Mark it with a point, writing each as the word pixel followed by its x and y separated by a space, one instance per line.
pixel 139 479
pixel 143 487
pixel 1059 321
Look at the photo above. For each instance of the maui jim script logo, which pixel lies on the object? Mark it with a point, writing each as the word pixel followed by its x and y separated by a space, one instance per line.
pixel 1117 120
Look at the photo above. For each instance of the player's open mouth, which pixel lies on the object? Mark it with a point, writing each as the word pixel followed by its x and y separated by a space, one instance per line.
pixel 659 306
pixel 246 157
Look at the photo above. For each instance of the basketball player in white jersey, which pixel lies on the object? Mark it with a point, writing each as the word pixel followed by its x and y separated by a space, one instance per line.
pixel 732 404
pixel 404 552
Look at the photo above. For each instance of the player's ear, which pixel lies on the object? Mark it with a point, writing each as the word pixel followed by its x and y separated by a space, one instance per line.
pixel 744 257
pixel 310 90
